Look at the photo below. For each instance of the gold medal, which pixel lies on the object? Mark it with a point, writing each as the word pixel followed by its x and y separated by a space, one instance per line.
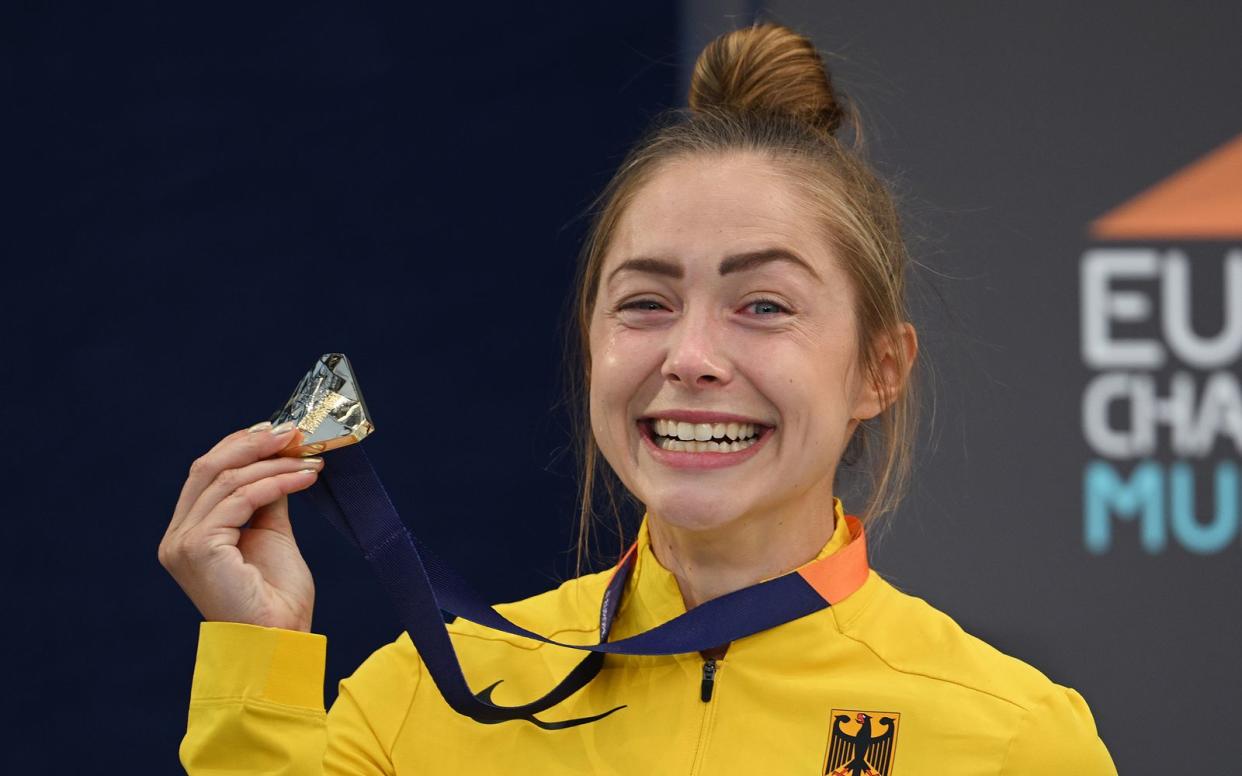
pixel 326 408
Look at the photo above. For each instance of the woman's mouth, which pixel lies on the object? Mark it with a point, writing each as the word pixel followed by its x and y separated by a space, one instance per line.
pixel 685 445
pixel 682 437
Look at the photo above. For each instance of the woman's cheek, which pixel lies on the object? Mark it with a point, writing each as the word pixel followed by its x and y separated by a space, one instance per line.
pixel 599 415
pixel 607 411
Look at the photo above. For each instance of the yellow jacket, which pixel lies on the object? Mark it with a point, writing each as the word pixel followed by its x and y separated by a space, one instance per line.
pixel 878 662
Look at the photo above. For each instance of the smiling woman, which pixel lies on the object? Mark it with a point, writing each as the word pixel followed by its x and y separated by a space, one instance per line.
pixel 748 317
pixel 742 331
pixel 810 256
pixel 754 322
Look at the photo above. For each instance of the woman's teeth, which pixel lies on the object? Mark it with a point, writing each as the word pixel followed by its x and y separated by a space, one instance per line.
pixel 683 437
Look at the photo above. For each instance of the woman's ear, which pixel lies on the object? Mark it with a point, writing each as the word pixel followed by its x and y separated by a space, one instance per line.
pixel 891 373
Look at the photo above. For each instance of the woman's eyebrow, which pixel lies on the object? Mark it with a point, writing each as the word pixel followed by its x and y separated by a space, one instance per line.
pixel 651 266
pixel 740 262
pixel 745 261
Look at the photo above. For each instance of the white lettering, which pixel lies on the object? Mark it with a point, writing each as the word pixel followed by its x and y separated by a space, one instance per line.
pixel 1101 305
pixel 1176 302
pixel 1139 439
pixel 1220 412
pixel 1194 423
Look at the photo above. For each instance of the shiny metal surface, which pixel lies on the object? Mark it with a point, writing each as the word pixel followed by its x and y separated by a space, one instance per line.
pixel 327 408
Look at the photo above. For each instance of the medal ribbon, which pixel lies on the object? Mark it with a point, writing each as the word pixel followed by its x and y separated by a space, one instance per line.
pixel 350 495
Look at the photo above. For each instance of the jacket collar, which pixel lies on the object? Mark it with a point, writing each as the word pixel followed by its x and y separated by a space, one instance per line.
pixel 652 595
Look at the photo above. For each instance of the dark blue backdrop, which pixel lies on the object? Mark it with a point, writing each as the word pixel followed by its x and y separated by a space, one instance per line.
pixel 209 198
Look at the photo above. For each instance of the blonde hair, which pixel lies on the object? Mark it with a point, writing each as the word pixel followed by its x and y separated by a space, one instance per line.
pixel 765 90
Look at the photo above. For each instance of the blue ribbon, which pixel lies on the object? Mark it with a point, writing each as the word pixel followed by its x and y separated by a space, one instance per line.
pixel 350 495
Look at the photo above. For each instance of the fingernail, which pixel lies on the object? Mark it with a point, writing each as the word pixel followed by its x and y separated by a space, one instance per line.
pixel 259 426
pixel 284 428
pixel 313 460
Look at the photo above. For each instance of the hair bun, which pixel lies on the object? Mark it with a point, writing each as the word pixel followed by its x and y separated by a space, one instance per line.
pixel 766 68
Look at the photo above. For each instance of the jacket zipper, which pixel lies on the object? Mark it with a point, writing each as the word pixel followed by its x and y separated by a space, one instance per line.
pixel 709 680
pixel 707 687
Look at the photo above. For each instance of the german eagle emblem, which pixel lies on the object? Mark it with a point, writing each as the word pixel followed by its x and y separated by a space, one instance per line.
pixel 861 743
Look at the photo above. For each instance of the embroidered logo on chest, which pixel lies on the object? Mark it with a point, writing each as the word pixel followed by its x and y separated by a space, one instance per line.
pixel 861 743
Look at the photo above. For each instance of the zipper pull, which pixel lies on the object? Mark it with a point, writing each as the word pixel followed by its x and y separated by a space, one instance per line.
pixel 709 680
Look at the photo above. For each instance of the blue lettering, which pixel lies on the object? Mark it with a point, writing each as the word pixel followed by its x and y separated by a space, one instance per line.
pixel 1195 536
pixel 1141 497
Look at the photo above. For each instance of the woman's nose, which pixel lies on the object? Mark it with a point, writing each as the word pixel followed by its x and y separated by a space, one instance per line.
pixel 696 356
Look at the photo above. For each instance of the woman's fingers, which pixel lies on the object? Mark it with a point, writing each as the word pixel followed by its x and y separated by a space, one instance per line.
pixel 236 508
pixel 233 452
pixel 273 517
pixel 236 494
pixel 247 445
pixel 221 526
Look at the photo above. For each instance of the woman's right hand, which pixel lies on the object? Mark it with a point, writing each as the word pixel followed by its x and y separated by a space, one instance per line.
pixel 230 544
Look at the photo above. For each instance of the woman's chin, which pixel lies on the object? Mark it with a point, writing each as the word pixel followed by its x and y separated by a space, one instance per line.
pixel 694 512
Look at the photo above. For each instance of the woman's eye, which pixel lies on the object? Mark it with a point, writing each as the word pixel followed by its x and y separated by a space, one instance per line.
pixel 766 307
pixel 642 305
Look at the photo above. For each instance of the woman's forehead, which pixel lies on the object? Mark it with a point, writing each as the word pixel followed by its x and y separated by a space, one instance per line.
pixel 702 208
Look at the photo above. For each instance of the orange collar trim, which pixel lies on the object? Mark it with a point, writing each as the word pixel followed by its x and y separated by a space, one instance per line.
pixel 839 575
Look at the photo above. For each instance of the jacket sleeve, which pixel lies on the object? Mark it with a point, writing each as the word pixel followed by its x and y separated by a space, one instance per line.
pixel 1058 735
pixel 256 706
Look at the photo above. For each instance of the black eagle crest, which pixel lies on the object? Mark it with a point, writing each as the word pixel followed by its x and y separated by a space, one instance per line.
pixel 861 754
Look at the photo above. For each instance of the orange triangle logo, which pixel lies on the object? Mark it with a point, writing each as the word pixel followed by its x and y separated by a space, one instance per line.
pixel 1202 201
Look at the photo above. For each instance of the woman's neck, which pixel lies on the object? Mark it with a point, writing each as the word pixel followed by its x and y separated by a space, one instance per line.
pixel 717 561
